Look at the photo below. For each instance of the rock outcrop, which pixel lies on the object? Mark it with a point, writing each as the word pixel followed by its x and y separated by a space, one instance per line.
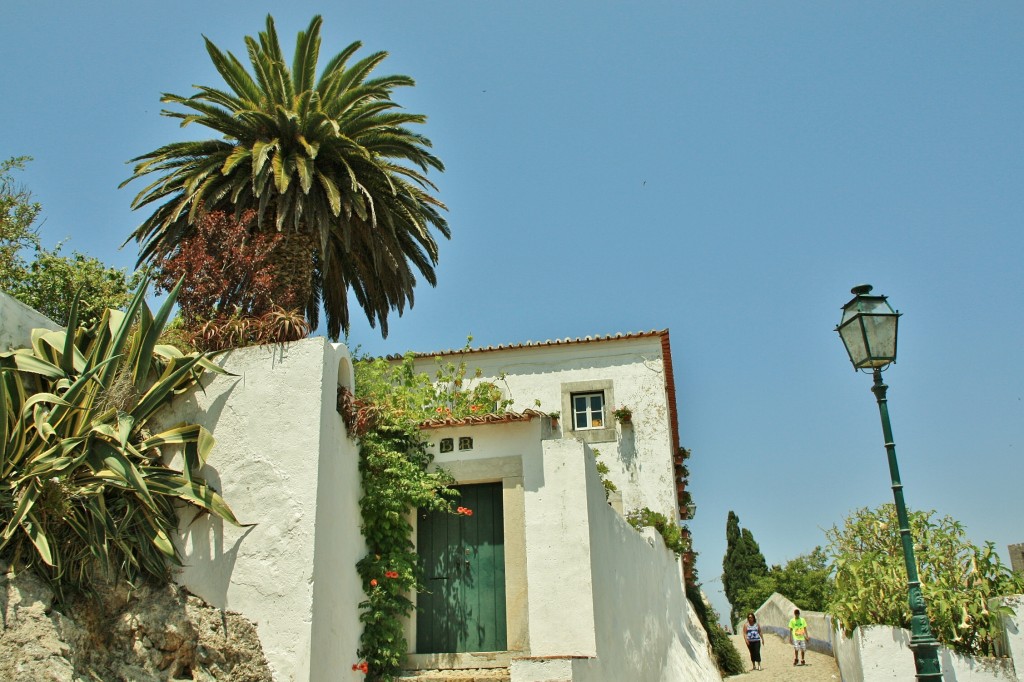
pixel 146 635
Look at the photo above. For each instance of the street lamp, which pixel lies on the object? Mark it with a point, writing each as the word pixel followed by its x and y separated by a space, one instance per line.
pixel 868 330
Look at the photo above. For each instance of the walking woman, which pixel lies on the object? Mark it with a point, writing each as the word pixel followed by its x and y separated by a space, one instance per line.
pixel 754 640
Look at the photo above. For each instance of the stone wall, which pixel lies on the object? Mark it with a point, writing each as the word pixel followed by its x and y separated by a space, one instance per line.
pixel 145 635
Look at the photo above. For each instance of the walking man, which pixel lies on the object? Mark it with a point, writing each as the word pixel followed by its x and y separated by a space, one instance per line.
pixel 798 631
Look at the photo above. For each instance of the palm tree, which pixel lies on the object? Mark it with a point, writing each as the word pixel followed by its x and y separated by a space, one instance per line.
pixel 329 162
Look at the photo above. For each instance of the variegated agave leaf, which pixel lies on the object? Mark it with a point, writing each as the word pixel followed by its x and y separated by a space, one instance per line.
pixel 81 490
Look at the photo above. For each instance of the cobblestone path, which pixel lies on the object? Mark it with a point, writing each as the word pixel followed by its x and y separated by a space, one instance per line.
pixel 777 661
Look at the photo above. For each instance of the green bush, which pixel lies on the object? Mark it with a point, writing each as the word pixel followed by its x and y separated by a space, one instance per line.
pixel 726 657
pixel 670 532
pixel 957 578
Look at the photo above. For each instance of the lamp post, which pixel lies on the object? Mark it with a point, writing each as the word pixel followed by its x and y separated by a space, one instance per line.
pixel 868 330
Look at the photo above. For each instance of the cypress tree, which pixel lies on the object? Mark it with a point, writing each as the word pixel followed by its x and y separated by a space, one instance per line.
pixel 743 563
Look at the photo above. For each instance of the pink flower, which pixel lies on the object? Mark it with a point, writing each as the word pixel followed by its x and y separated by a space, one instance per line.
pixel 373 583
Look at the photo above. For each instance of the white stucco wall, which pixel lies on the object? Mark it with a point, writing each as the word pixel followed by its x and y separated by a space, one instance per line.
pixel 774 616
pixel 17 321
pixel 1013 625
pixel 647 630
pixel 281 459
pixel 558 551
pixel 880 653
pixel 639 456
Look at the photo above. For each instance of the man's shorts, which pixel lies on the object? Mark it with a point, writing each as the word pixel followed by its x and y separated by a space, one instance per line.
pixel 800 644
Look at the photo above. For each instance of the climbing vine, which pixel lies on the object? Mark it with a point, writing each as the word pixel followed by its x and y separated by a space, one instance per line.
pixel 391 402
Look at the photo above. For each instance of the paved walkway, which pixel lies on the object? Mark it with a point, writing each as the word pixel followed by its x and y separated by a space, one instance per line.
pixel 777 661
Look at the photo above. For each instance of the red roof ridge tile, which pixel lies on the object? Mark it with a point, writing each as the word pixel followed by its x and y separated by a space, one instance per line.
pixel 618 336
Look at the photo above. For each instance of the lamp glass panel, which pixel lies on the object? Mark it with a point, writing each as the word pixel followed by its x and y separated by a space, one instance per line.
pixel 853 339
pixel 881 335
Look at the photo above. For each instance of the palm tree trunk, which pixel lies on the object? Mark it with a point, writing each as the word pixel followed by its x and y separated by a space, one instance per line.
pixel 292 262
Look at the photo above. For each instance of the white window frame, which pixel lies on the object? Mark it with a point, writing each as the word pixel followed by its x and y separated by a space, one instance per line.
pixel 594 434
pixel 588 410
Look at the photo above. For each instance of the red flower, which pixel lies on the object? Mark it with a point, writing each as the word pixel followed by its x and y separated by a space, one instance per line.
pixel 474 408
pixel 373 583
pixel 391 574
pixel 439 410
pixel 468 512
pixel 460 510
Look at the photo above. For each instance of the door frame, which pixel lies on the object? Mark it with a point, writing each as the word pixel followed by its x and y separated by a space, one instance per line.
pixel 509 472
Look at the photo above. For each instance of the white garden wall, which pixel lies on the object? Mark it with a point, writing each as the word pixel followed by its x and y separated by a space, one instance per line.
pixel 281 458
pixel 774 616
pixel 606 603
pixel 880 653
pixel 17 321
pixel 646 628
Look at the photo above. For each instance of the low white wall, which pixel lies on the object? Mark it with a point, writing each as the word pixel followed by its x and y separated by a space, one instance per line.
pixel 647 631
pixel 774 616
pixel 607 603
pixel 1013 626
pixel 558 550
pixel 17 321
pixel 282 459
pixel 880 653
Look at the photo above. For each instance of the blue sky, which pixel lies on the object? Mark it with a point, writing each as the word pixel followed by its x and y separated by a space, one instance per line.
pixel 726 170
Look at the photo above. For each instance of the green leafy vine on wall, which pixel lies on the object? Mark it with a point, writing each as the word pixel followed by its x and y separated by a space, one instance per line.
pixel 391 402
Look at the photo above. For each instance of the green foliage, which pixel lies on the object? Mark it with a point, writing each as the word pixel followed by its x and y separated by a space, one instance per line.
pixel 393 467
pixel 49 284
pixel 673 536
pixel 84 491
pixel 331 159
pixel 48 281
pixel 413 396
pixel 806 581
pixel 602 473
pixel 957 578
pixel 392 400
pixel 726 657
pixel 17 215
pixel 742 565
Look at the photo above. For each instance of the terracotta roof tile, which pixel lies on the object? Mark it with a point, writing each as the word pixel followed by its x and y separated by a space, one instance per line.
pixel 477 419
pixel 536 344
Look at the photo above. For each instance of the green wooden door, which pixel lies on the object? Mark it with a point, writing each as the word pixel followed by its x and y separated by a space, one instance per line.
pixel 463 559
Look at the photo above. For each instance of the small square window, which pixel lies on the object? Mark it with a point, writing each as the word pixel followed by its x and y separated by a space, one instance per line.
pixel 447 444
pixel 465 443
pixel 588 411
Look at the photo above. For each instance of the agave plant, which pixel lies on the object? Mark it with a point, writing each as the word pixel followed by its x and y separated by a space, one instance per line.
pixel 84 488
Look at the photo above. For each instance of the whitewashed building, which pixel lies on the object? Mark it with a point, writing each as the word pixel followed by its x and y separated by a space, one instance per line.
pixel 547 578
